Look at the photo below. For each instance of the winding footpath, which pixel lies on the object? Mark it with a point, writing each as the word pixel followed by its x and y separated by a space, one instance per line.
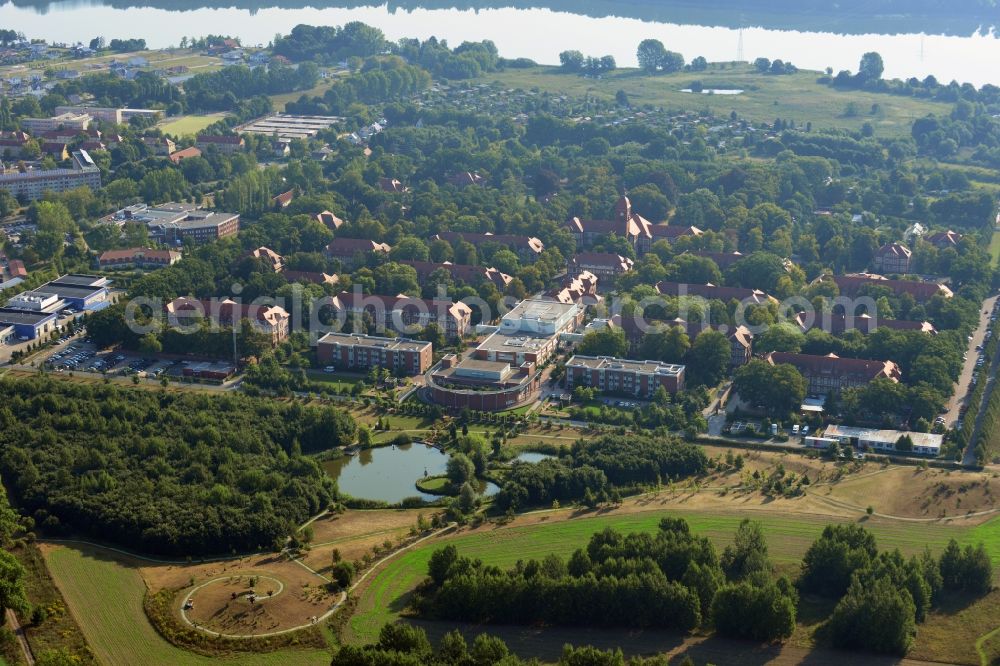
pixel 18 630
pixel 337 604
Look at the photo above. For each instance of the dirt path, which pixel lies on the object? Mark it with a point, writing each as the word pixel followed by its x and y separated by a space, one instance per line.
pixel 18 630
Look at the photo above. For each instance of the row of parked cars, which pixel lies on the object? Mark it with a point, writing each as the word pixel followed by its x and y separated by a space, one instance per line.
pixel 71 358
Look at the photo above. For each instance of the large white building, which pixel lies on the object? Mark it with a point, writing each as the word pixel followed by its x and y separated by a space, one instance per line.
pixel 924 443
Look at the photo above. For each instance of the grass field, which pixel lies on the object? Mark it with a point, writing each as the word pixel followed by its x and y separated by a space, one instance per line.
pixel 106 597
pixel 59 631
pixel 995 247
pixel 796 97
pixel 788 537
pixel 190 124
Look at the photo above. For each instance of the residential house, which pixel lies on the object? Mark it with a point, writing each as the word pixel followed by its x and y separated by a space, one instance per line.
pixel 329 220
pixel 353 252
pixel 528 248
pixel 836 324
pixel 712 292
pixel 722 259
pixel 268 257
pixel 404 314
pixel 228 144
pixel 271 320
pixel 580 289
pixel 855 284
pixel 184 153
pixel 605 265
pixel 893 258
pixel 473 275
pixel 465 179
pixel 283 200
pixel 392 186
pixel 671 232
pixel 138 257
pixel 310 277
pixel 830 373
pixel 942 240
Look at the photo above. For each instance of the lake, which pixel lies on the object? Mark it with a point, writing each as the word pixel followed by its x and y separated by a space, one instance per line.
pixel 542 33
pixel 389 473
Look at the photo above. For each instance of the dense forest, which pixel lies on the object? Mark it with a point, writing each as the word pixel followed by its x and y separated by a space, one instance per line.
pixel 177 474
pixel 594 469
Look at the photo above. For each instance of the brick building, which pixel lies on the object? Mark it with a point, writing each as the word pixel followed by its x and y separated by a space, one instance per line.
pixel 620 376
pixel 831 373
pixel 361 352
pixel 893 258
pixel 404 314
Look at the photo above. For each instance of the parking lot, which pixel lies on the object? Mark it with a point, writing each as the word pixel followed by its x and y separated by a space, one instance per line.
pixel 82 356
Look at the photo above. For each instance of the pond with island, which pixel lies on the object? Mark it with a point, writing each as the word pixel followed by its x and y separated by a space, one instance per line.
pixel 390 473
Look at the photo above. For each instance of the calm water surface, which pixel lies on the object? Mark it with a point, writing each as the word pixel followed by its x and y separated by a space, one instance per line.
pixel 390 472
pixel 540 34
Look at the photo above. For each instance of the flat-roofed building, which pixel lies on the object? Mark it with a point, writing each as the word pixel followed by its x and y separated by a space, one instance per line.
pixel 35 301
pixel 176 222
pixel 289 126
pixel 924 443
pixel 614 375
pixel 75 290
pixel 362 352
pixel 541 317
pixel 28 324
pixel 33 183
pixel 70 121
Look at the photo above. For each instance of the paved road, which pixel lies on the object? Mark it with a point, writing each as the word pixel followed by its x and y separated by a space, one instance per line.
pixel 970 450
pixel 962 388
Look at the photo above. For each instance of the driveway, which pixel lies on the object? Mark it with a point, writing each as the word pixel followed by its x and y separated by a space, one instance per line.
pixel 962 388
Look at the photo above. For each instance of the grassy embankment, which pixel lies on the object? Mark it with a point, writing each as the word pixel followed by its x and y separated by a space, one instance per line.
pixel 796 96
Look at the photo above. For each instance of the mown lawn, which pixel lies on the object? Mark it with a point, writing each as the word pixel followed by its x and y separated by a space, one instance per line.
pixel 788 538
pixel 995 247
pixel 106 597
pixel 792 97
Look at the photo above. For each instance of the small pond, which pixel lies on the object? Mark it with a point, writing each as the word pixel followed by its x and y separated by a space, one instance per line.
pixel 715 91
pixel 389 473
pixel 530 457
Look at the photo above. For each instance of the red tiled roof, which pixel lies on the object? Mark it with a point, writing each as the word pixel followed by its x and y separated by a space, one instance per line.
pixel 463 272
pixel 185 153
pixel 831 364
pixel 229 139
pixel 850 285
pixel 343 247
pixel 521 242
pixel 711 291
pixel 894 249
